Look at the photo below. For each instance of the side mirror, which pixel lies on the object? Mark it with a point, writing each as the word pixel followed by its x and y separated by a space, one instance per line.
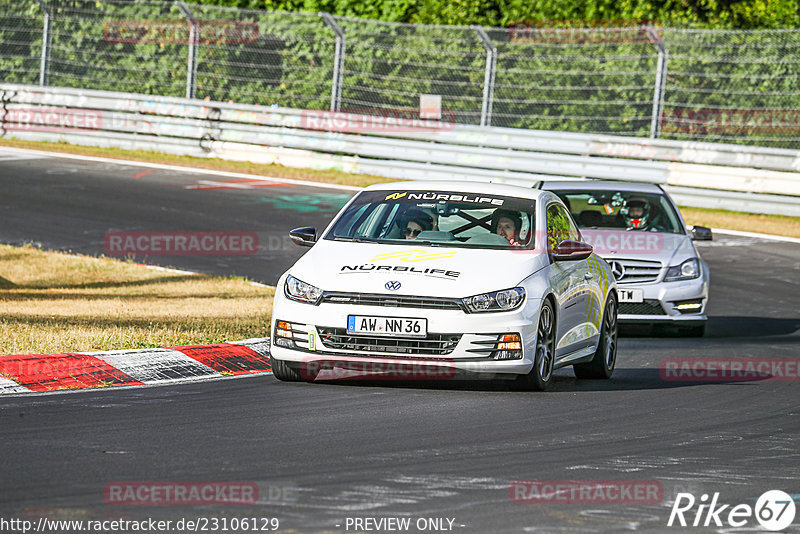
pixel 701 233
pixel 305 237
pixel 569 250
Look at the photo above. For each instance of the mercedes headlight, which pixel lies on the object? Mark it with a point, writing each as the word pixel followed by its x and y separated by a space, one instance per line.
pixel 298 290
pixel 685 271
pixel 496 301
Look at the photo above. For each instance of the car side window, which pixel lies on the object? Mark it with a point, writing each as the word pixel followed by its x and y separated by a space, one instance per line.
pixel 558 226
pixel 574 233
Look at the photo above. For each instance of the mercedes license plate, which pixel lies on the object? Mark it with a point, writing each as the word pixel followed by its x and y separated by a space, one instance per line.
pixel 630 295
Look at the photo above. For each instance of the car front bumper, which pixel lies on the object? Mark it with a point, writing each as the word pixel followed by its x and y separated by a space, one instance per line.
pixel 661 301
pixel 457 343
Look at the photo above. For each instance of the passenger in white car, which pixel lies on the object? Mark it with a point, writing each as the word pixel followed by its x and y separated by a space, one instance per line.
pixel 416 221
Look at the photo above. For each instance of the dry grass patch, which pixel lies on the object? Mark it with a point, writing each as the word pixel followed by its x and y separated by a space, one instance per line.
pixel 55 302
pixel 746 222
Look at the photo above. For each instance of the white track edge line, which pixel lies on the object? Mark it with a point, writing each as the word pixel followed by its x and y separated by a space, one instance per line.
pixel 184 168
pixel 193 273
pixel 769 237
pixel 296 182
pixel 129 386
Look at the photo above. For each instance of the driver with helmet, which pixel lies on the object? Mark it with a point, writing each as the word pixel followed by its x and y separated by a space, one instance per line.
pixel 637 213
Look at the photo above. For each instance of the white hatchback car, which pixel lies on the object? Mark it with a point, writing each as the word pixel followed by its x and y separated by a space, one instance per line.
pixel 424 280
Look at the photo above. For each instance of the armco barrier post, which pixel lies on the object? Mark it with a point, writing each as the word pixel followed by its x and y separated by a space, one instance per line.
pixel 194 41
pixel 489 75
pixel 338 61
pixel 661 81
pixel 47 39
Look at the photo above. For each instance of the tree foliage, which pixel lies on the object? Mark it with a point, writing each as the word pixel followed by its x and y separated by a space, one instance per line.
pixel 741 14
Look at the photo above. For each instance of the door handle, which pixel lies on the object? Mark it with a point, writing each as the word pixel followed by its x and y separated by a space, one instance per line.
pixel 588 276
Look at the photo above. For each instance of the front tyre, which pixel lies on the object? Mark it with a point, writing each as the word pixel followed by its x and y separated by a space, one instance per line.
pixel 284 372
pixel 541 375
pixel 605 357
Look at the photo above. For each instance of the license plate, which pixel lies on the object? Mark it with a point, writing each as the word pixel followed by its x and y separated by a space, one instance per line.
pixel 631 295
pixel 387 326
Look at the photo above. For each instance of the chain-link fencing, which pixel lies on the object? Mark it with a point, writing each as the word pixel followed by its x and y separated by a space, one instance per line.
pixel 641 80
pixel 733 86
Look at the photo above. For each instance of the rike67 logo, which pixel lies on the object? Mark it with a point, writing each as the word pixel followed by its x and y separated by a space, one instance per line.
pixel 774 511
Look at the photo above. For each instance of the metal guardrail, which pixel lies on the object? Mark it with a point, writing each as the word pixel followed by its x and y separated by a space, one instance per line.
pixel 760 180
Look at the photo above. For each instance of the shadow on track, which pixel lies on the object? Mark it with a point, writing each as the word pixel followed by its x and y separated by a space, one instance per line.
pixel 634 379
pixel 720 327
pixel 744 327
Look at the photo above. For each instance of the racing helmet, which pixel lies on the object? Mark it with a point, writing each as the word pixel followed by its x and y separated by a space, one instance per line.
pixel 637 212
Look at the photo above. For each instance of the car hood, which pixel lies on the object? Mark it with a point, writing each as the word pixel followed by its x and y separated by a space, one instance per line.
pixel 669 249
pixel 421 270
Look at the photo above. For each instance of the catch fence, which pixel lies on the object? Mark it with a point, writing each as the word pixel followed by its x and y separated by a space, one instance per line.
pixel 642 80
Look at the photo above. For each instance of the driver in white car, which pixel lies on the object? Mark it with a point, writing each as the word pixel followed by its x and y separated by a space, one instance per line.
pixel 507 224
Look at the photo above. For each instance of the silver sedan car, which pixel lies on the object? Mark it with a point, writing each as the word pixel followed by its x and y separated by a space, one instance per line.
pixel 639 231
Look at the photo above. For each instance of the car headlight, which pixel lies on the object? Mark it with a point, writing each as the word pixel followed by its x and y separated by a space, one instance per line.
pixel 505 300
pixel 685 271
pixel 298 290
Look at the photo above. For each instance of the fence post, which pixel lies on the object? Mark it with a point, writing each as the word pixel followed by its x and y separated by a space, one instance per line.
pixel 47 39
pixel 660 84
pixel 338 61
pixel 194 41
pixel 489 75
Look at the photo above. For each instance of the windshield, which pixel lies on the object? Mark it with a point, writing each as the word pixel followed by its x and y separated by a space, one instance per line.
pixel 437 218
pixel 626 210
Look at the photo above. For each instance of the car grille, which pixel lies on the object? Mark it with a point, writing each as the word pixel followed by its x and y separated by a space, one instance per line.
pixel 636 271
pixel 431 345
pixel 393 301
pixel 648 307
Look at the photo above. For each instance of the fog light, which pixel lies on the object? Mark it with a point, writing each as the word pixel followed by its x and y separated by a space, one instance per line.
pixel 689 306
pixel 510 342
pixel 283 342
pixel 283 332
pixel 509 347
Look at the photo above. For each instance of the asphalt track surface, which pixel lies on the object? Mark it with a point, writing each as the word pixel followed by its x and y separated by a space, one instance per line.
pixel 324 452
pixel 67 204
